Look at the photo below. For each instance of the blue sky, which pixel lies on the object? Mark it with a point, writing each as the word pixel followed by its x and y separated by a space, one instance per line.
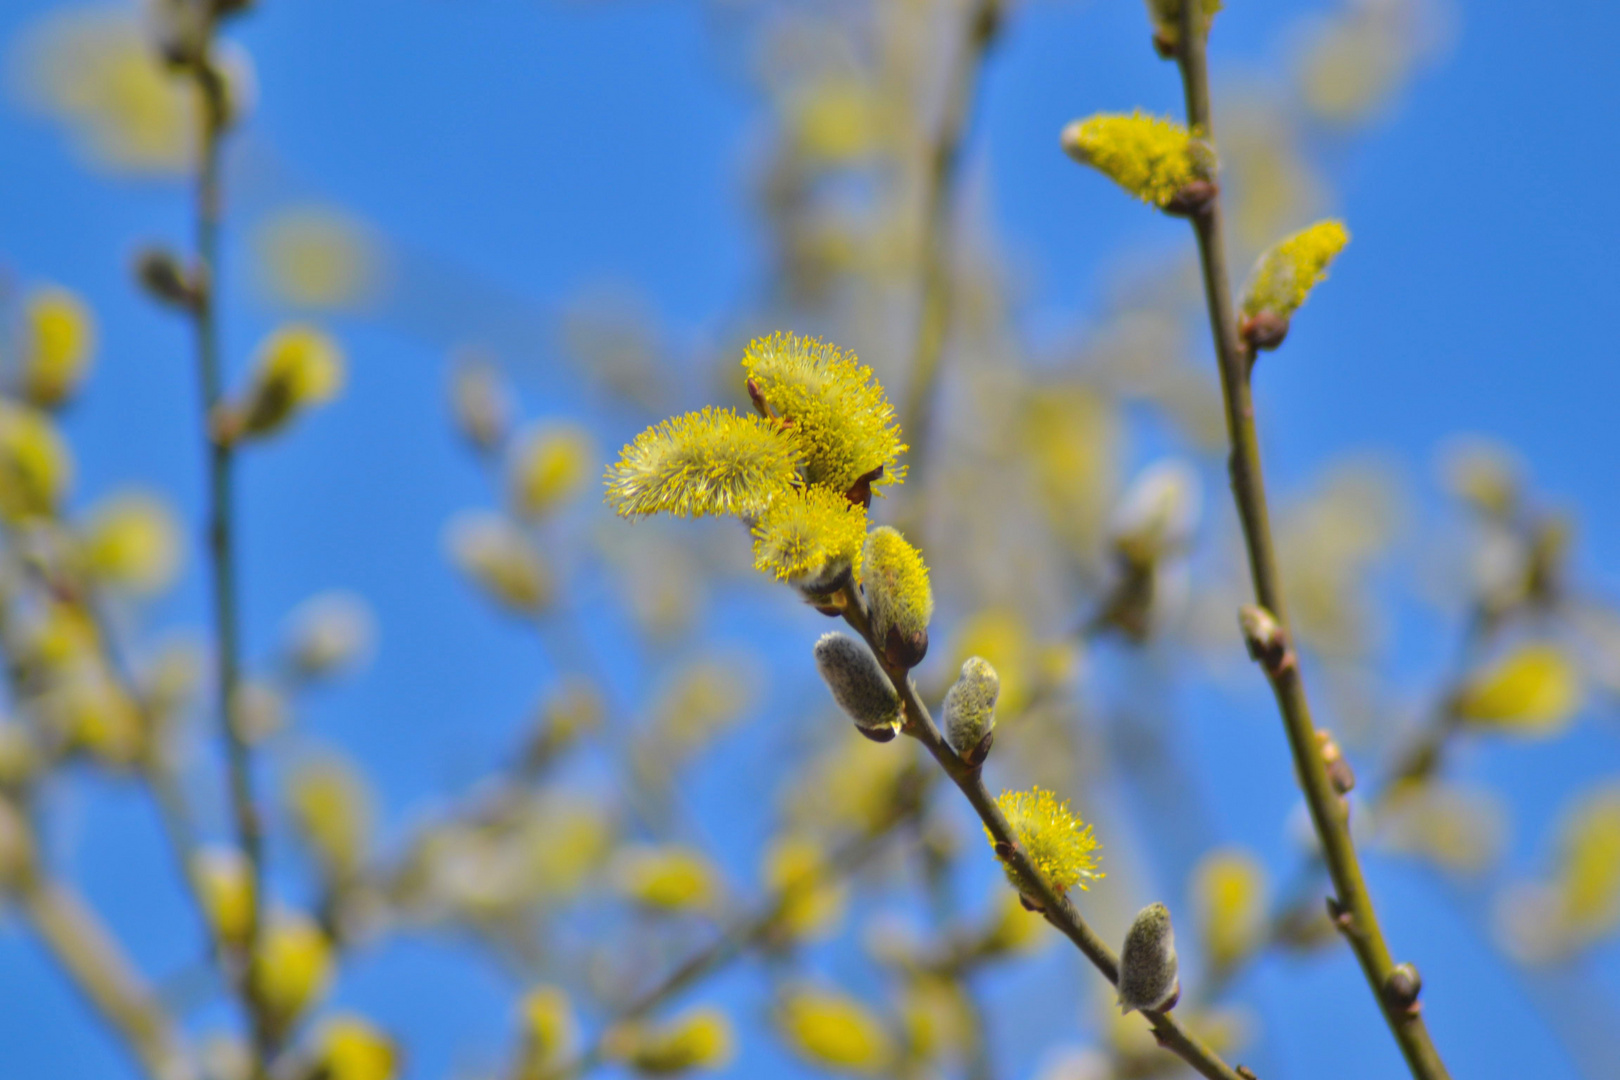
pixel 545 148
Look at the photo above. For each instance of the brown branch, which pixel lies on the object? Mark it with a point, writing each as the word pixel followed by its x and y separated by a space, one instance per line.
pixel 1032 884
pixel 1352 905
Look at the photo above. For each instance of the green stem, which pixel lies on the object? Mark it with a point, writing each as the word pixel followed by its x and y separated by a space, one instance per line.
pixel 1034 886
pixel 211 95
pixel 1330 814
pixel 939 202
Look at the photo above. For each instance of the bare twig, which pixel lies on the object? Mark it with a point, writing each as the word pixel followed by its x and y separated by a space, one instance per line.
pixel 1352 905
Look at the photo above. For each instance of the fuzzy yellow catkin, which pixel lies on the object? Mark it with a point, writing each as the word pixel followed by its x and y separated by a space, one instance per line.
pixel 35 467
pixel 132 542
pixel 1534 690
pixel 225 887
pixel 350 1047
pixel 970 705
pixel 1057 844
pixel 699 1039
pixel 902 602
pixel 1286 273
pixel 549 1026
pixel 811 538
pixel 859 685
pixel 1151 157
pixel 834 405
pixel 834 1031
pixel 1147 963
pixel 713 462
pixel 292 968
pixel 332 806
pixel 668 877
pixel 497 555
pixel 549 467
pixel 1229 897
pixel 811 897
pixel 298 367
pixel 59 339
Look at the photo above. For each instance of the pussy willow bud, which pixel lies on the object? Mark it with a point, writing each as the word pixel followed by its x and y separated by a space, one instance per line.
pixel 970 709
pixel 1147 964
pixel 859 686
pixel 163 278
pixel 902 602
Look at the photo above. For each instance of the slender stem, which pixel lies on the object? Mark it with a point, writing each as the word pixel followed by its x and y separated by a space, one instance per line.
pixel 1353 907
pixel 1034 886
pixel 96 963
pixel 939 203
pixel 731 944
pixel 211 95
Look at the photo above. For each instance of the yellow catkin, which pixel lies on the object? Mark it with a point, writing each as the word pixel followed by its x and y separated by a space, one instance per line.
pixel 896 581
pixel 317 258
pixel 550 1028
pixel 704 463
pixel 293 967
pixel 699 1039
pixel 35 467
pixel 133 543
pixel 1229 898
pixel 1150 157
pixel 1285 275
pixel 810 537
pixel 59 339
pixel 1535 689
pixel 298 367
pixel 225 888
pixel 834 405
pixel 812 901
pixel 352 1048
pixel 550 466
pixel 834 1031
pixel 1058 845
pixel 332 806
pixel 671 878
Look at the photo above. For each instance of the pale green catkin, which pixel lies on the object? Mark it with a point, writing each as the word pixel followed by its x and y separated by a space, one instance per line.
pixel 858 684
pixel 1147 964
pixel 970 705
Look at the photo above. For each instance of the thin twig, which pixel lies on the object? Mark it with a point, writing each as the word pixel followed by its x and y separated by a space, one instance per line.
pixel 939 208
pixel 1353 907
pixel 211 93
pixel 736 940
pixel 96 963
pixel 1034 886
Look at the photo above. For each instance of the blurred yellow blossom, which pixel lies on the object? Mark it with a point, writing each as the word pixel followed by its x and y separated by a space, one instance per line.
pixel 811 898
pixel 497 555
pixel 1533 690
pixel 132 542
pixel 296 368
pixel 550 465
pixel 698 1039
pixel 1229 901
pixel 293 966
pixel 350 1047
pixel 318 258
pixel 670 877
pixel 329 632
pixel 59 338
pixel 35 467
pixel 550 1029
pixel 225 887
pixel 94 71
pixel 332 806
pixel 834 1031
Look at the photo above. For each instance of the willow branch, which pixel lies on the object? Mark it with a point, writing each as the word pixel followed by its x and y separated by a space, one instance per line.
pixel 1352 905
pixel 211 95
pixel 102 972
pixel 736 940
pixel 1032 884
pixel 939 201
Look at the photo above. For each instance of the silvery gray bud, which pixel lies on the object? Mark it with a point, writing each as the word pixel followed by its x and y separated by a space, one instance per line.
pixel 1147 964
pixel 859 686
pixel 970 709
